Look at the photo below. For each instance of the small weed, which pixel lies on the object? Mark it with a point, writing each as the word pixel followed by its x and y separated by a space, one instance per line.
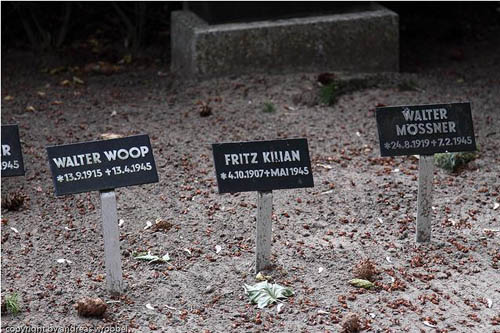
pixel 365 270
pixel 13 201
pixel 269 107
pixel 328 94
pixel 11 304
pixel 452 162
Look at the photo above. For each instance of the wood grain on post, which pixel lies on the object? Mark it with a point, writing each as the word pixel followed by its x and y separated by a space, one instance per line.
pixel 112 258
pixel 424 199
pixel 264 230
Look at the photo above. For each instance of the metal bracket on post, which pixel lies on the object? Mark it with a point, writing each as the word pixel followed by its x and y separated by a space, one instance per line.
pixel 112 257
pixel 264 230
pixel 424 198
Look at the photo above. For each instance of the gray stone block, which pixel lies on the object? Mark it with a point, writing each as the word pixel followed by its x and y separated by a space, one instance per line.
pixel 364 41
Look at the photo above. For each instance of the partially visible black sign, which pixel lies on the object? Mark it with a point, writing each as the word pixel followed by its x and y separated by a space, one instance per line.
pixel 425 129
pixel 102 165
pixel 262 165
pixel 12 156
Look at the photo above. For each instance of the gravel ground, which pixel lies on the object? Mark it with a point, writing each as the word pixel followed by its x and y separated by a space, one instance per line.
pixel 362 207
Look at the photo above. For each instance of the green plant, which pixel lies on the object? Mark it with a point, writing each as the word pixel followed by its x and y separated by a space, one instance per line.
pixel 328 94
pixel 152 258
pixel 269 107
pixel 452 162
pixel 264 293
pixel 11 304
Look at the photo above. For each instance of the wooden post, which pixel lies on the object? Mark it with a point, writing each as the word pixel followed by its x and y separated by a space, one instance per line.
pixel 424 199
pixel 112 258
pixel 264 230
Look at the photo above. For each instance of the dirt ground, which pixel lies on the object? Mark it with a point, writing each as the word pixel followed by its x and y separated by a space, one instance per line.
pixel 362 205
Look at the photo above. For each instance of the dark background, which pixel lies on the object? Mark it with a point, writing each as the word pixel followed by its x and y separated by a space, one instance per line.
pixel 97 31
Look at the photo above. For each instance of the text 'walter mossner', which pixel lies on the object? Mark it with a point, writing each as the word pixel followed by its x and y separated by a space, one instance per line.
pixel 428 121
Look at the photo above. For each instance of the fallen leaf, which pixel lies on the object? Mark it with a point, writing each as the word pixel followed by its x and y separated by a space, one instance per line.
pixel 152 258
pixel 324 166
pixel 109 136
pixel 426 323
pixel 326 192
pixel 64 261
pixel 162 225
pixel 126 59
pixel 57 70
pixel 77 80
pixel 262 277
pixel 360 283
pixel 30 108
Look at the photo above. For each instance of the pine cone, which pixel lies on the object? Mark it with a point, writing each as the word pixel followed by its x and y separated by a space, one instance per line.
pixel 13 201
pixel 90 307
pixel 351 323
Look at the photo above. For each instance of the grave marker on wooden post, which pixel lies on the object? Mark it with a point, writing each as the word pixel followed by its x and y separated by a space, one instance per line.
pixel 425 130
pixel 12 155
pixel 262 166
pixel 103 166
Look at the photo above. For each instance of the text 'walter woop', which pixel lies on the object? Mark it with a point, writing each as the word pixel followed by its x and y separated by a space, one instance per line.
pixel 102 165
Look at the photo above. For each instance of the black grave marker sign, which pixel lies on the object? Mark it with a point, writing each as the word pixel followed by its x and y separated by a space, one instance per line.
pixel 425 129
pixel 262 165
pixel 102 165
pixel 12 156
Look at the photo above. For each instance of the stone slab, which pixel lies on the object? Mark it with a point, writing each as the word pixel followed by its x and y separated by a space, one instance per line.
pixel 364 41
